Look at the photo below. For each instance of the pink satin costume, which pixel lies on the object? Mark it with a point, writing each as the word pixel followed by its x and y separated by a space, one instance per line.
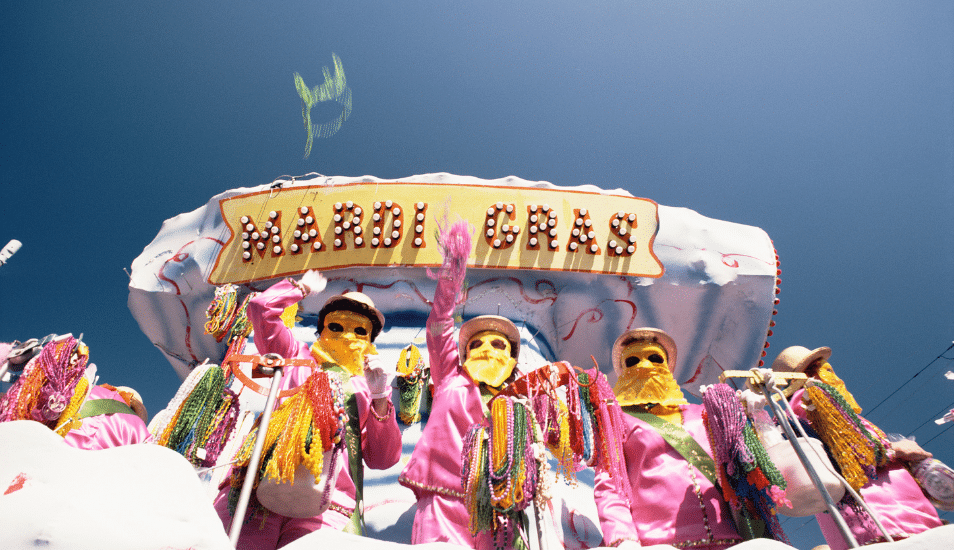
pixel 380 439
pixel 674 503
pixel 433 472
pixel 894 496
pixel 105 431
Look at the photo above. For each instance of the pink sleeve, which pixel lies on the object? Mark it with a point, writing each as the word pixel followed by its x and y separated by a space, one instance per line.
pixel 616 517
pixel 264 312
pixel 380 439
pixel 798 404
pixel 441 347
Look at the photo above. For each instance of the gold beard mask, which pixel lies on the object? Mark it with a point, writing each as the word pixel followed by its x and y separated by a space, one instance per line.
pixel 345 340
pixel 827 375
pixel 488 358
pixel 645 378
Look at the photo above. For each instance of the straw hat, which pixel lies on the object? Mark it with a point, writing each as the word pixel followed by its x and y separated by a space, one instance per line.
pixel 642 334
pixel 356 302
pixel 488 322
pixel 135 402
pixel 798 358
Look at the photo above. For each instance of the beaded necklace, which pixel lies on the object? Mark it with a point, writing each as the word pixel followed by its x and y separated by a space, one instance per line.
pixel 504 459
pixel 856 445
pixel 227 320
pixel 68 421
pixel 412 379
pixel 304 427
pixel 48 384
pixel 206 412
pixel 221 312
pixel 159 425
pixel 751 483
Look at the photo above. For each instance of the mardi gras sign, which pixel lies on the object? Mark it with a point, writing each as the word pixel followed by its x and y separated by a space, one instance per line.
pixel 573 267
pixel 394 224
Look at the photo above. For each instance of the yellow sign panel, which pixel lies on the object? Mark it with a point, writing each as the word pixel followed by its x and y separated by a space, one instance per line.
pixel 287 231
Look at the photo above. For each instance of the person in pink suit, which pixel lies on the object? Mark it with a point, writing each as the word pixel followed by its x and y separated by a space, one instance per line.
pixel 347 327
pixel 894 496
pixel 490 346
pixel 674 500
pixel 110 417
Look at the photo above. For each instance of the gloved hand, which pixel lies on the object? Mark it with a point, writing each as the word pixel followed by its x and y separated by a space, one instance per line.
pixel 313 281
pixel 378 376
pixel 909 451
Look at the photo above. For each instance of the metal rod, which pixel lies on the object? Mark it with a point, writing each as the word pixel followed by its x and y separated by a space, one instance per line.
pixel 239 518
pixel 541 532
pixel 829 503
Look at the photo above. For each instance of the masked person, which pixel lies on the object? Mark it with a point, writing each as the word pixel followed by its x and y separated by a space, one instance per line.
pixel 894 496
pixel 347 327
pixel 466 374
pixel 668 458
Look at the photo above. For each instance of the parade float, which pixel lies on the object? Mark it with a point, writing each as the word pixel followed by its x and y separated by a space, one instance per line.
pixel 573 267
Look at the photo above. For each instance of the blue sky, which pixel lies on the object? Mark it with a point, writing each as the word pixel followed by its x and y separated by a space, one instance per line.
pixel 831 127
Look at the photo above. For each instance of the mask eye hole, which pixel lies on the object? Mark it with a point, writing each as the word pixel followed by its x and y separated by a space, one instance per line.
pixel 632 361
pixel 498 344
pixel 361 331
pixel 474 344
pixel 335 327
pixel 656 358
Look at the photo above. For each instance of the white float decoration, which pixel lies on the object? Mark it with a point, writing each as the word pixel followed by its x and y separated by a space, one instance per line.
pixel 573 266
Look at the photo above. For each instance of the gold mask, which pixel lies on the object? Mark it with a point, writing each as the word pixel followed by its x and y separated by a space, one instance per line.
pixel 488 358
pixel 345 340
pixel 645 378
pixel 827 375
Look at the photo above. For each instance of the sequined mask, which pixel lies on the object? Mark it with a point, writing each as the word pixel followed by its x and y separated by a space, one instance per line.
pixel 645 378
pixel 488 358
pixel 345 340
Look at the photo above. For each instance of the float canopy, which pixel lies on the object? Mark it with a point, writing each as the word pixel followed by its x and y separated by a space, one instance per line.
pixel 574 266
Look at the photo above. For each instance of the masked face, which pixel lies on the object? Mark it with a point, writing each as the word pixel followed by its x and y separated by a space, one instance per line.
pixel 826 374
pixel 488 358
pixel 645 377
pixel 345 340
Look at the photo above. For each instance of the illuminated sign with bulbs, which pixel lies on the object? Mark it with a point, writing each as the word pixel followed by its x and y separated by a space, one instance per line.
pixel 287 231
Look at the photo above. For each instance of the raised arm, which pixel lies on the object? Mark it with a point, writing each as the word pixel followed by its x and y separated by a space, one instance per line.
pixel 455 243
pixel 264 312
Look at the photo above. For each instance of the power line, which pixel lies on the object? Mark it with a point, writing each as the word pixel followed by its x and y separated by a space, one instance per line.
pixel 938 435
pixel 940 356
pixel 934 416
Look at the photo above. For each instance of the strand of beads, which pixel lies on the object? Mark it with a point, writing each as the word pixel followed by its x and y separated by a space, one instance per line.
pixel 608 420
pixel 182 432
pixel 23 395
pixel 752 484
pixel 221 312
pixel 63 362
pixel 68 421
pixel 221 428
pixel 303 428
pixel 855 449
pixel 412 381
pixel 159 427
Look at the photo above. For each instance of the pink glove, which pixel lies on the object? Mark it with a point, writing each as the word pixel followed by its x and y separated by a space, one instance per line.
pixel 378 376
